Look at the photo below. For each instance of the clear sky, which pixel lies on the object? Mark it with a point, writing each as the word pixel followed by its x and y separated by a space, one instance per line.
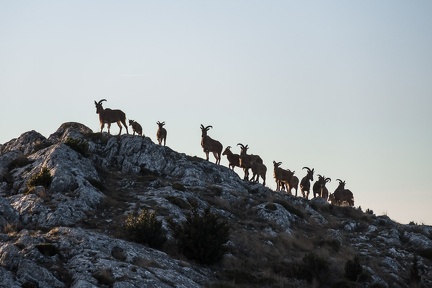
pixel 344 87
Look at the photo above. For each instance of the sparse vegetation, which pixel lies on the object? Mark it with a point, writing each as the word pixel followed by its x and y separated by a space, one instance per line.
pixel 215 190
pixel 178 186
pixel 104 276
pixel 30 284
pixel 415 274
pixel 19 162
pixel 78 145
pixel 147 175
pixel 309 250
pixel 10 228
pixel 315 268
pixel 48 249
pixel 426 253
pixel 97 137
pixel 353 269
pixel 144 228
pixel 270 207
pixel 97 184
pixel 291 208
pixel 40 144
pixel 43 178
pixel 179 202
pixel 334 244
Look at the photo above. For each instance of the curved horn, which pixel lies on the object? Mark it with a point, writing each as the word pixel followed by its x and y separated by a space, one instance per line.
pixel 277 163
pixel 202 126
pixel 163 123
pixel 208 127
pixel 101 101
pixel 309 170
pixel 340 181
pixel 327 180
pixel 242 146
pixel 228 147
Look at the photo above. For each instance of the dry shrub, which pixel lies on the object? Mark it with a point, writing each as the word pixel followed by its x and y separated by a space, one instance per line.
pixel 301 242
pixel 12 228
pixel 145 228
pixel 291 208
pixel 179 202
pixel 78 145
pixel 202 237
pixel 104 276
pixel 252 252
pixel 145 263
pixel 178 186
pixel 314 267
pixel 425 253
pixel 221 203
pixel 43 178
pixel 19 162
pixel 98 137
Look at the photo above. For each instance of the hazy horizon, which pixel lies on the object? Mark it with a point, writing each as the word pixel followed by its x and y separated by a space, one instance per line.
pixel 342 86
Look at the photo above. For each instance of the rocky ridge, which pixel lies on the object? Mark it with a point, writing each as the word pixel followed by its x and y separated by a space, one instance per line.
pixel 66 234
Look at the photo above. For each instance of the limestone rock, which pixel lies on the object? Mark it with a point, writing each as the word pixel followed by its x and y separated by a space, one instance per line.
pixel 67 233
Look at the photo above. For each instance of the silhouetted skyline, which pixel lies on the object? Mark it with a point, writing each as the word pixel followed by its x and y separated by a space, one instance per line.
pixel 342 87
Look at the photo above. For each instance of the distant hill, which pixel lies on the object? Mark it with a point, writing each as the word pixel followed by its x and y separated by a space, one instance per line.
pixel 85 209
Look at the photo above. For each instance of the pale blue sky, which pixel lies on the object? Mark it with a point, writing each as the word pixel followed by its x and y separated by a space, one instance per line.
pixel 341 86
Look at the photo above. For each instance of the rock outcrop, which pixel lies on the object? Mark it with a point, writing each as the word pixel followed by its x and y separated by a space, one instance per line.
pixel 64 233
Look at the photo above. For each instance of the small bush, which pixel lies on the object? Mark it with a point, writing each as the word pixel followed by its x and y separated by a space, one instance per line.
pixel 332 243
pixel 215 190
pixel 194 159
pixel 178 186
pixel 48 249
pixel 43 178
pixel 353 269
pixel 30 284
pixel 104 276
pixel 148 175
pixel 415 274
pixel 97 137
pixel 78 145
pixel 179 202
pixel 202 238
pixel 426 253
pixel 290 208
pixel 40 144
pixel 315 267
pixel 314 206
pixel 97 184
pixel 11 228
pixel 145 229
pixel 270 207
pixel 19 162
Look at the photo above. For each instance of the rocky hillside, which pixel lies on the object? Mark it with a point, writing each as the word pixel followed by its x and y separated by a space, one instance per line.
pixel 65 201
